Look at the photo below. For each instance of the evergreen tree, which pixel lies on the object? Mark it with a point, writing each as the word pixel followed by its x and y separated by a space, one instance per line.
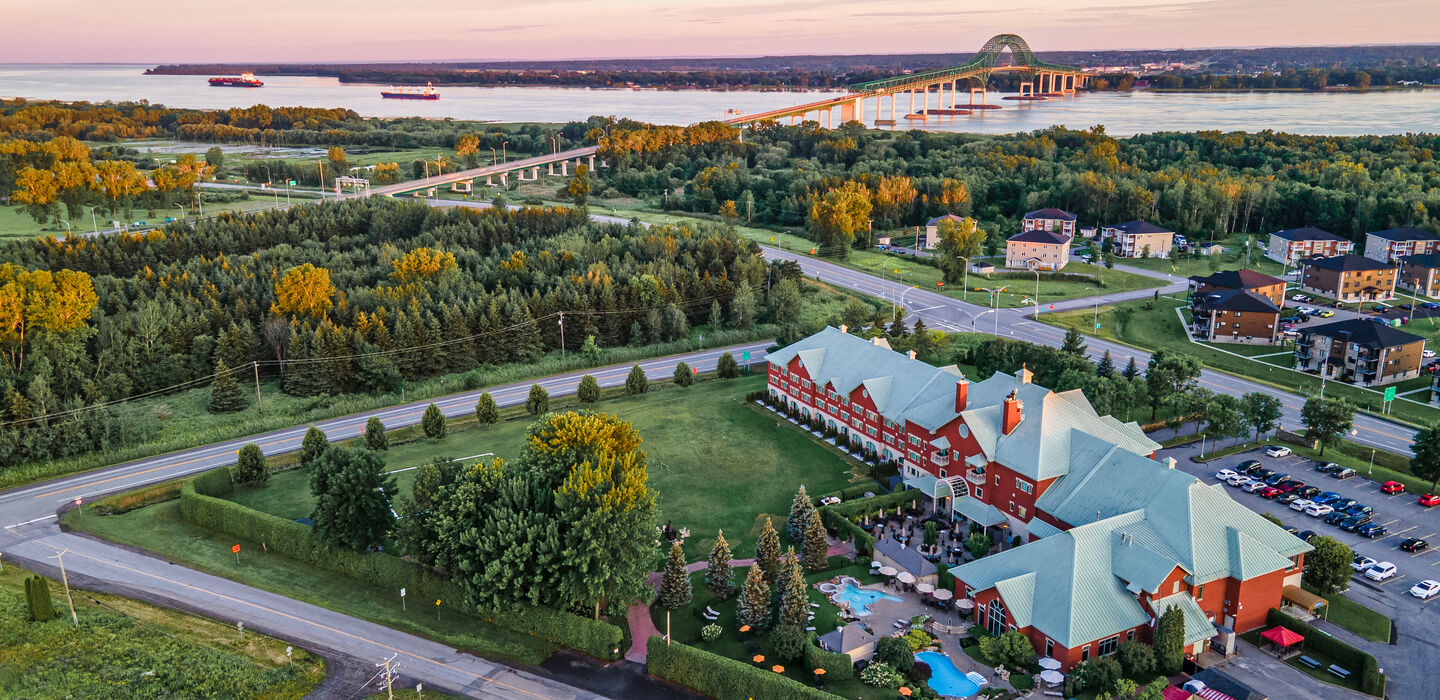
pixel 588 391
pixel 1073 344
pixel 1132 370
pixel 250 465
pixel 715 318
pixel 817 550
pixel 1170 642
pixel 486 412
pixel 225 393
pixel 39 606
pixel 1106 366
pixel 767 552
pixel 794 604
pixel 719 575
pixel 636 383
pixel 683 377
pixel 754 608
pixel 742 307
pixel 726 367
pixel 675 589
pixel 352 498
pixel 591 352
pixel 422 512
pixel 375 435
pixel 538 402
pixel 800 510
pixel 312 446
pixel 433 423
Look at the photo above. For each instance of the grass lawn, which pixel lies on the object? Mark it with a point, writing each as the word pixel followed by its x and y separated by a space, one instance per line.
pixel 1232 258
pixel 1159 327
pixel 685 624
pixel 1358 619
pixel 716 461
pixel 160 529
pixel 125 648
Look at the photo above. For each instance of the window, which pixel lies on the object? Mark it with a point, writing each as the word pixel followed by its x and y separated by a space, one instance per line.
pixel 1012 506
pixel 1050 647
pixel 913 455
pixel 997 479
pixel 979 493
pixel 1129 635
pixel 1200 592
pixel 1107 646
pixel 942 473
pixel 1176 589
pixel 1022 511
pixel 1085 653
pixel 915 440
pixel 1024 486
pixel 995 621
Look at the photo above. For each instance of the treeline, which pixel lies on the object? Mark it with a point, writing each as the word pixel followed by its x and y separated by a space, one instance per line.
pixel 1200 184
pixel 1307 79
pixel 698 79
pixel 356 296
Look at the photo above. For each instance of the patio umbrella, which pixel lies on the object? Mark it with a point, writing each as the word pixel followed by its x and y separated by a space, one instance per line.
pixel 905 691
pixel 1049 664
pixel 944 594
pixel 876 564
pixel 925 588
pixel 1281 637
pixel 777 668
pixel 905 577
pixel 888 571
pixel 819 671
pixel 1051 676
pixel 759 659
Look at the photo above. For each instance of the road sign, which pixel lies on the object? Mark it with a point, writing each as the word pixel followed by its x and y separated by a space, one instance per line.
pixel 745 355
pixel 291 183
pixel 1097 326
pixel 235 549
pixel 1389 393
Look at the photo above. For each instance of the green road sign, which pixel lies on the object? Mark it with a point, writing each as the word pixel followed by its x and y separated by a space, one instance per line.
pixel 1097 326
pixel 745 355
pixel 1389 393
pixel 292 183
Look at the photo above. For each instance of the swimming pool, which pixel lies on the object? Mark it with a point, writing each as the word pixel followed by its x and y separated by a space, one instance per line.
pixel 860 599
pixel 945 678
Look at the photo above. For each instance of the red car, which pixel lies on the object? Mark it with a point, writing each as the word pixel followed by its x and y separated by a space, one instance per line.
pixel 1268 492
pixel 1288 486
pixel 1392 487
pixel 1430 500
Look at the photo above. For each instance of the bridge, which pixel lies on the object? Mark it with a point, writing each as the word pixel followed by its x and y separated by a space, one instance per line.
pixel 1045 80
pixel 526 169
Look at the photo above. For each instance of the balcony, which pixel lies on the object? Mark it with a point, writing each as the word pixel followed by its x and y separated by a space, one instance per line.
pixel 940 460
pixel 976 476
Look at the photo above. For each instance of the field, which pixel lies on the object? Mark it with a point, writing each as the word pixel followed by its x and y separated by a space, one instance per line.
pixel 716 461
pixel 124 648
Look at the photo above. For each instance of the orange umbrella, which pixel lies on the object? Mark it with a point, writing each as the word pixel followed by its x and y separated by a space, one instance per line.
pixel 904 691
pixel 777 668
pixel 819 671
pixel 758 659
pixel 744 628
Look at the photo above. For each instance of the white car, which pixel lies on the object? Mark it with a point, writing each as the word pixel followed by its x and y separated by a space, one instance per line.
pixel 1253 486
pixel 1428 354
pixel 1307 310
pixel 1277 451
pixel 1362 563
pixel 1380 571
pixel 1238 480
pixel 1425 589
pixel 1299 297
pixel 1300 504
pixel 1225 474
pixel 1315 510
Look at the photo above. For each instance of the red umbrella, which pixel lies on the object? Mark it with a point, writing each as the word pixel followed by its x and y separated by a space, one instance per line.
pixel 1282 637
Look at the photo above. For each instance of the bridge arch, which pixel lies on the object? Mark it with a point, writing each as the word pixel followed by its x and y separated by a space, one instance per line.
pixel 990 52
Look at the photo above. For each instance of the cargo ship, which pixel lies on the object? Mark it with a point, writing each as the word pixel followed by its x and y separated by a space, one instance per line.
pixel 426 93
pixel 245 80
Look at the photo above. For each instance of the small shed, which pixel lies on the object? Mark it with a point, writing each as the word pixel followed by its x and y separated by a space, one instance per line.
pixel 852 639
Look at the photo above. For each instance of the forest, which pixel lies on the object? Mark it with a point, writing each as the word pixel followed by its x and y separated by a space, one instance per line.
pixel 1204 184
pixel 350 297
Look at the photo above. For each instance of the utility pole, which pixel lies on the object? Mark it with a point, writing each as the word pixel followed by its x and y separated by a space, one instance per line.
pixel 389 691
pixel 66 579
pixel 259 402
pixel 562 336
pixel 322 177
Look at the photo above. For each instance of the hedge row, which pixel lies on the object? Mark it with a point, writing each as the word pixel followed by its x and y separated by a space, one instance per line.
pixel 838 667
pixel 850 492
pixel 1372 682
pixel 719 677
pixel 386 571
pixel 859 507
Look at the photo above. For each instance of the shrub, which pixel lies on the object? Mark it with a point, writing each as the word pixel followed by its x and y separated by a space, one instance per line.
pixel 250 466
pixel 838 667
pixel 1098 675
pixel 375 436
pixel 683 375
pixel 1137 659
pixel 881 675
pixel 38 605
pixel 312 446
pixel 486 412
pixel 896 653
pixel 719 677
pixel 433 423
pixel 726 367
pixel 538 402
pixel 917 639
pixel 588 390
pixel 787 642
pixel 710 632
pixel 635 382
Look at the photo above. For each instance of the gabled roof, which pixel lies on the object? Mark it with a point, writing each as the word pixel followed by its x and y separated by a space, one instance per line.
pixel 1406 233
pixel 901 388
pixel 1052 426
pixel 1040 236
pixel 943 217
pixel 1429 260
pixel 906 558
pixel 1307 233
pixel 1237 279
pixel 1237 300
pixel 1346 263
pixel 1362 332
pixel 1050 213
pixel 842 640
pixel 1138 226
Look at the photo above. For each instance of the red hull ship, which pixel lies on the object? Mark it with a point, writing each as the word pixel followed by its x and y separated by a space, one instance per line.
pixel 245 80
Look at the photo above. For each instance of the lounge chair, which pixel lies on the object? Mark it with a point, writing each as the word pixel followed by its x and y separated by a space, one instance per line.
pixel 711 610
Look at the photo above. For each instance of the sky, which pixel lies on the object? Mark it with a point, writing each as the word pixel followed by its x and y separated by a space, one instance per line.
pixel 198 31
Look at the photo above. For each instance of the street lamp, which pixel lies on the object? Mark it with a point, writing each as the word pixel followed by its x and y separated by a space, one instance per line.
pixel 182 211
pixel 995 304
pixel 503 157
pixel 895 312
pixel 494 156
pixel 67 226
pixel 92 218
pixel 1036 270
pixel 965 284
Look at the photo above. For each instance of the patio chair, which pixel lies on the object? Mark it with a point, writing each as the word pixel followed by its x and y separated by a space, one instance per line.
pixel 711 610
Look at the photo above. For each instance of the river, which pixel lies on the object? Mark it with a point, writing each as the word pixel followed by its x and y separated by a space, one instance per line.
pixel 1332 113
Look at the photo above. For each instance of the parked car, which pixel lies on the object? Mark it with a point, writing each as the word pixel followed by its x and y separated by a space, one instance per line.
pixel 1306 491
pixel 1307 310
pixel 1344 474
pixel 1414 544
pixel 1371 530
pixel 1254 486
pixel 1362 563
pixel 1268 492
pixel 1429 500
pixel 1307 535
pixel 1286 499
pixel 1262 474
pixel 1225 474
pixel 1392 487
pixel 1290 485
pixel 1300 504
pixel 1429 305
pixel 1427 354
pixel 1353 523
pixel 1325 498
pixel 1247 466
pixel 1317 510
pixel 1334 518
pixel 1343 503
pixel 1239 480
pixel 1276 479
pixel 1327 468
pixel 1292 529
pixel 1380 307
pixel 1360 509
pixel 1380 571
pixel 1299 297
pixel 1277 451
pixel 1425 589
pixel 1325 313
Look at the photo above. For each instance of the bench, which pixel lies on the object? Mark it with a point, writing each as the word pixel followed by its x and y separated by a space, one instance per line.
pixel 1055 694
pixel 1340 672
pixel 1312 663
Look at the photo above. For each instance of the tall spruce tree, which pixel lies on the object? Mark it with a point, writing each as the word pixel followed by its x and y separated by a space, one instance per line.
pixel 799 519
pixel 1106 367
pixel 719 575
pixel 1131 370
pixel 794 604
pixel 225 393
pixel 433 423
pixel 636 383
pixel 767 551
pixel 754 607
pixel 375 436
pixel 1170 642
pixel 675 591
pixel 486 412
pixel 312 446
pixel 816 553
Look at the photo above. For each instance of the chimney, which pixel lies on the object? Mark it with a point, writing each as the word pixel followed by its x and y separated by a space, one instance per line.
pixel 1024 374
pixel 962 392
pixel 1011 413
pixel 844 328
pixel 910 354
pixel 1169 462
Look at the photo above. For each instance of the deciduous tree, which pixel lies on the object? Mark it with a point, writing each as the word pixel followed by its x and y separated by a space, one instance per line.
pixel 726 367
pixel 958 239
pixel 1328 565
pixel 683 377
pixel 304 290
pixel 1261 412
pixel 1326 420
pixel 312 446
pixel 837 215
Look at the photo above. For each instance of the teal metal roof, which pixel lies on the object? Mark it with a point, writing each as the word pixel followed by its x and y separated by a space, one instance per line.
pixel 980 512
pixel 1040 528
pixel 1198 627
pixel 924 482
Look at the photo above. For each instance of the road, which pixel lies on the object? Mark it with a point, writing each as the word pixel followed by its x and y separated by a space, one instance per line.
pixel 29 533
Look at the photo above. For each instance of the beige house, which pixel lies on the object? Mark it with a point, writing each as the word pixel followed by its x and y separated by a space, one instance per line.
pixel 1037 249
pixel 1139 239
pixel 852 640
pixel 932 231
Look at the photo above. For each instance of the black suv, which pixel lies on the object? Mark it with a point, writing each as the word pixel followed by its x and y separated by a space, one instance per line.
pixel 1335 517
pixel 1349 524
pixel 1277 479
pixel 1413 544
pixel 1327 467
pixel 1262 474
pixel 1247 467
pixel 1343 503
pixel 1306 492
pixel 1360 509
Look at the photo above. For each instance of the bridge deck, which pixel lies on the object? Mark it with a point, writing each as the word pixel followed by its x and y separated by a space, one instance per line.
pixel 473 173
